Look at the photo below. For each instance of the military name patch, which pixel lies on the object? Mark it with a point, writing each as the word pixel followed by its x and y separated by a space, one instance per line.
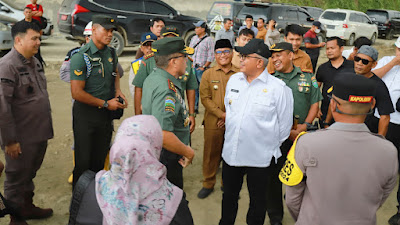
pixel 170 104
pixel 360 99
pixel 78 72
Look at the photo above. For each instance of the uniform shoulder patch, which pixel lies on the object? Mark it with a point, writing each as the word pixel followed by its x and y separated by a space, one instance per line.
pixel 148 56
pixel 291 173
pixel 171 85
pixel 170 104
pixel 190 58
pixel 78 72
pixel 314 82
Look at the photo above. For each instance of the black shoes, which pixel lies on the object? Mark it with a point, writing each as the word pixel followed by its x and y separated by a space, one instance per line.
pixel 276 223
pixel 204 193
pixel 394 219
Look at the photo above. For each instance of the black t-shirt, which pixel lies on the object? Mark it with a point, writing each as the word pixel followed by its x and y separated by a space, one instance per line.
pixel 326 73
pixel 383 104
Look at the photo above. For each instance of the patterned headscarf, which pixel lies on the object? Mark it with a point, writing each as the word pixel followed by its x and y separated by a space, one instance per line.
pixel 136 190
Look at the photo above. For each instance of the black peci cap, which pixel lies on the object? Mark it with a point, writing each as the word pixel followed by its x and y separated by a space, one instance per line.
pixel 256 46
pixel 223 43
pixel 353 88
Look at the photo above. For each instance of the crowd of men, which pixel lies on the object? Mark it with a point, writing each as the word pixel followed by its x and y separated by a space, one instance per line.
pixel 260 98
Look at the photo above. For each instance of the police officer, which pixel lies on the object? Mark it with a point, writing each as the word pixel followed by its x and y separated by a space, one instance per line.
pixel 340 187
pixel 188 80
pixel 95 88
pixel 162 98
pixel 306 95
pixel 25 120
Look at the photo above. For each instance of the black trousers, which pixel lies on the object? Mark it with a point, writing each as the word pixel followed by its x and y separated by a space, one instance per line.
pixel 174 172
pixel 314 61
pixel 274 196
pixel 393 135
pixel 257 184
pixel 92 135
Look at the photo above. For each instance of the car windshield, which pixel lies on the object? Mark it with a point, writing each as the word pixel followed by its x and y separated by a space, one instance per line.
pixel 256 12
pixel 379 16
pixel 14 5
pixel 223 9
pixel 340 16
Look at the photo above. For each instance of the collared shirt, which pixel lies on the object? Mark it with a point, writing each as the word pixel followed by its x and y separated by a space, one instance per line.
pixel 204 52
pixel 311 37
pixel 301 59
pixel 261 33
pixel 25 114
pixel 392 81
pixel 259 116
pixel 354 193
pixel 223 34
pixel 253 28
pixel 305 91
pixel 212 92
pixel 326 73
pixel 99 77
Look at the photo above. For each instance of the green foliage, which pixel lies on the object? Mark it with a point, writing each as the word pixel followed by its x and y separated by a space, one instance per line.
pixel 359 5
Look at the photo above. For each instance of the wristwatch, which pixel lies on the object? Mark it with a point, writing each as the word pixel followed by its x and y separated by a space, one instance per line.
pixel 308 125
pixel 192 114
pixel 105 105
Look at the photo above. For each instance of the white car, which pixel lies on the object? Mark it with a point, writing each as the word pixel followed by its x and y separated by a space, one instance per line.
pixel 348 25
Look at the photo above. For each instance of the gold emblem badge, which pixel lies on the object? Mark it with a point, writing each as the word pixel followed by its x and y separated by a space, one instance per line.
pixel 265 91
pixel 112 20
pixel 185 78
pixel 230 101
pixel 78 72
pixel 110 59
pixel 302 75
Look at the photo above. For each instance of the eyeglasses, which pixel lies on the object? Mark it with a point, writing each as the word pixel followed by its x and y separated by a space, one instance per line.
pixel 364 61
pixel 225 52
pixel 181 56
pixel 247 56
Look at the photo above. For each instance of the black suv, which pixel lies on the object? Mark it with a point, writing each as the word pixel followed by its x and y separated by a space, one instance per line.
pixel 315 12
pixel 388 21
pixel 283 14
pixel 132 17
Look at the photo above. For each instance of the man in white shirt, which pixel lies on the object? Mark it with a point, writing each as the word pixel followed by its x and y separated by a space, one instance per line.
pixel 388 69
pixel 226 32
pixel 259 116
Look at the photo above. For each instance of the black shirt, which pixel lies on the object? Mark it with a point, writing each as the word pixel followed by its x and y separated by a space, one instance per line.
pixel 326 73
pixel 383 104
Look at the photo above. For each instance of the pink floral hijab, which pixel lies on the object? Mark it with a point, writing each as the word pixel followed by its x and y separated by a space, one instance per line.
pixel 135 190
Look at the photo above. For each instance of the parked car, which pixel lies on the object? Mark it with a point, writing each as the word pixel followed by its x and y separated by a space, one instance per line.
pixel 16 11
pixel 6 40
pixel 223 9
pixel 388 21
pixel 315 12
pixel 132 18
pixel 283 14
pixel 348 25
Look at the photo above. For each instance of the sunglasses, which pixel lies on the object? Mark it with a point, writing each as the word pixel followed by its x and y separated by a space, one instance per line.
pixel 364 61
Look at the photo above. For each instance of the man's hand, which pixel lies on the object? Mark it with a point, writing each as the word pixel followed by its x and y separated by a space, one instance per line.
pixel 322 44
pixel 114 104
pixel 319 114
pixel 223 116
pixel 220 123
pixel 188 158
pixel 13 150
pixel 192 123
pixel 201 68
pixel 293 135
pixel 119 93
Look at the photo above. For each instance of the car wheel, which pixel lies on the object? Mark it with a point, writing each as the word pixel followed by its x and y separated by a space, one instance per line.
pixel 321 38
pixel 117 42
pixel 389 35
pixel 351 40
pixel 189 36
pixel 373 38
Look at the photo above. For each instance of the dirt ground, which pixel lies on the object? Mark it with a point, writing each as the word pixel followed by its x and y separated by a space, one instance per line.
pixel 52 189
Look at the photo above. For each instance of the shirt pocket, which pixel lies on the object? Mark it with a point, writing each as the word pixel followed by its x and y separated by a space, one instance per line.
pixel 262 105
pixel 304 88
pixel 232 98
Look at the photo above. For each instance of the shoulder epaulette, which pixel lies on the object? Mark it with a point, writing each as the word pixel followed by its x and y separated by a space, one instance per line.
pixel 171 85
pixel 190 58
pixel 149 56
pixel 306 70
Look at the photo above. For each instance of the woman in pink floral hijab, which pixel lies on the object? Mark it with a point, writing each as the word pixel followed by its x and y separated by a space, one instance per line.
pixel 136 190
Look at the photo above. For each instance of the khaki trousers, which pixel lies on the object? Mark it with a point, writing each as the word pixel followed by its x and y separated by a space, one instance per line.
pixel 213 143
